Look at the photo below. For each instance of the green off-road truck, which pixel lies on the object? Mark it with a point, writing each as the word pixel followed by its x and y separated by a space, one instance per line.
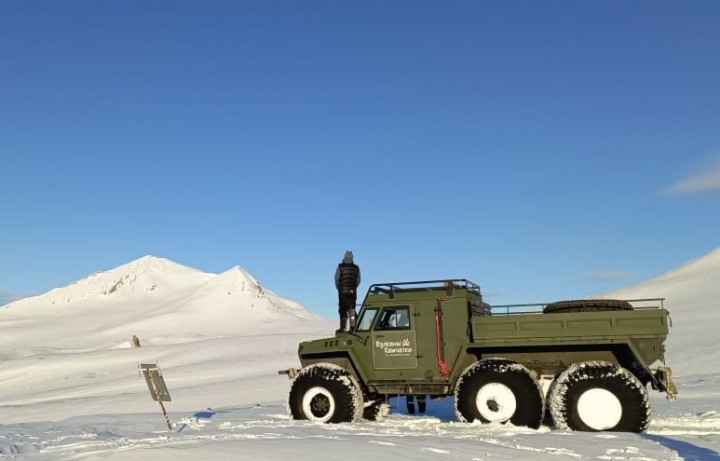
pixel 584 363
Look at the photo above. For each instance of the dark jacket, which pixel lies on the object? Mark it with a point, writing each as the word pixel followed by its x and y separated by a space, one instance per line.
pixel 347 276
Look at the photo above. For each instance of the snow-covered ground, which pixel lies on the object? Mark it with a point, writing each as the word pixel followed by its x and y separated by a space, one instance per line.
pixel 70 389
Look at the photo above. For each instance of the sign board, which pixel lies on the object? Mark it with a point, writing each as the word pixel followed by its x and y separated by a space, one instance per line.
pixel 155 381
pixel 156 384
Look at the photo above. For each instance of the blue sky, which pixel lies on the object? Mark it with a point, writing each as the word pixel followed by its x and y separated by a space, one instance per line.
pixel 544 150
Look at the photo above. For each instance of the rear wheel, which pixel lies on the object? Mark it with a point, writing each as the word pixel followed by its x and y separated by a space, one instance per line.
pixel 325 393
pixel 588 305
pixel 499 391
pixel 599 396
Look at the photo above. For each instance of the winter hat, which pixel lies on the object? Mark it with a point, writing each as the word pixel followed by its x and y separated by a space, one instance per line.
pixel 348 255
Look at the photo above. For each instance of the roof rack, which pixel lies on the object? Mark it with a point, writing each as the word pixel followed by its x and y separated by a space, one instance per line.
pixel 424 285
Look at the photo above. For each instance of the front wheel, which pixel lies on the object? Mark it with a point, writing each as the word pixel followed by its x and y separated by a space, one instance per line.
pixel 497 390
pixel 599 396
pixel 325 393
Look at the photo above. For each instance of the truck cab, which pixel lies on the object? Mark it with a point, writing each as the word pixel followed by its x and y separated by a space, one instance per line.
pixel 402 329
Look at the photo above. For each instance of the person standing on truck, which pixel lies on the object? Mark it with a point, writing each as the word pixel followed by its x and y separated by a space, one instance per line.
pixel 347 279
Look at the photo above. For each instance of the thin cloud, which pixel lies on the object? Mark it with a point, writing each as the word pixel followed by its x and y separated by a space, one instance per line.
pixel 703 182
pixel 611 276
pixel 7 298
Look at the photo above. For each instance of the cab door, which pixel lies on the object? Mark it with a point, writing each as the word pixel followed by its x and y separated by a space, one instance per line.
pixel 394 344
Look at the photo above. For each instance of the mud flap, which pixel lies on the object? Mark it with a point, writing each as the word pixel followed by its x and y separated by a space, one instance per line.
pixel 663 376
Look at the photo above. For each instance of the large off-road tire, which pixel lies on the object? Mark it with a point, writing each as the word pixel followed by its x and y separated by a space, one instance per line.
pixel 599 396
pixel 499 391
pixel 588 305
pixel 325 393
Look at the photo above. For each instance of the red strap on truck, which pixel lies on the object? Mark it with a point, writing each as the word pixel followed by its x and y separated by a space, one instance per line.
pixel 444 370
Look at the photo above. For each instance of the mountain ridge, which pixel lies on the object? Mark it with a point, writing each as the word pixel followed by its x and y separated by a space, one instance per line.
pixel 177 301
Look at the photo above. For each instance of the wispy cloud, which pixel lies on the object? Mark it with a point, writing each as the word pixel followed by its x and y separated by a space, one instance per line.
pixel 703 182
pixel 611 276
pixel 7 298
pixel 706 179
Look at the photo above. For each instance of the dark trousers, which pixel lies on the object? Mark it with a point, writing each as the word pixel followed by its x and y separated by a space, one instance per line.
pixel 346 301
pixel 410 401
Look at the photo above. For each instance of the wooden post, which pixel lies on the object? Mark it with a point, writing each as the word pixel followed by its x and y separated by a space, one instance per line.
pixel 158 397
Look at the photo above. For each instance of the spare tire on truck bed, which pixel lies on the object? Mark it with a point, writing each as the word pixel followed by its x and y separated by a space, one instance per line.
pixel 587 305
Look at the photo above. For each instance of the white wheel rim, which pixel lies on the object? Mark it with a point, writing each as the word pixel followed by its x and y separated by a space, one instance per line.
pixel 599 409
pixel 496 402
pixel 318 404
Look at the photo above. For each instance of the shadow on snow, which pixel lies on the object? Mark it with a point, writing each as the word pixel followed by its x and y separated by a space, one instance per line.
pixel 687 451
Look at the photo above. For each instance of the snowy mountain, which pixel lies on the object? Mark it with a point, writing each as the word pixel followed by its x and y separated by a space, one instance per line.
pixel 173 300
pixel 206 327
pixel 692 296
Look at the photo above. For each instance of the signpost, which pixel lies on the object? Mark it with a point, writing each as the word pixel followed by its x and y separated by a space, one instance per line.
pixel 156 384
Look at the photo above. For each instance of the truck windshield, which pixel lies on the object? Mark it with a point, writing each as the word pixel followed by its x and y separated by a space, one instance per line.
pixel 366 319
